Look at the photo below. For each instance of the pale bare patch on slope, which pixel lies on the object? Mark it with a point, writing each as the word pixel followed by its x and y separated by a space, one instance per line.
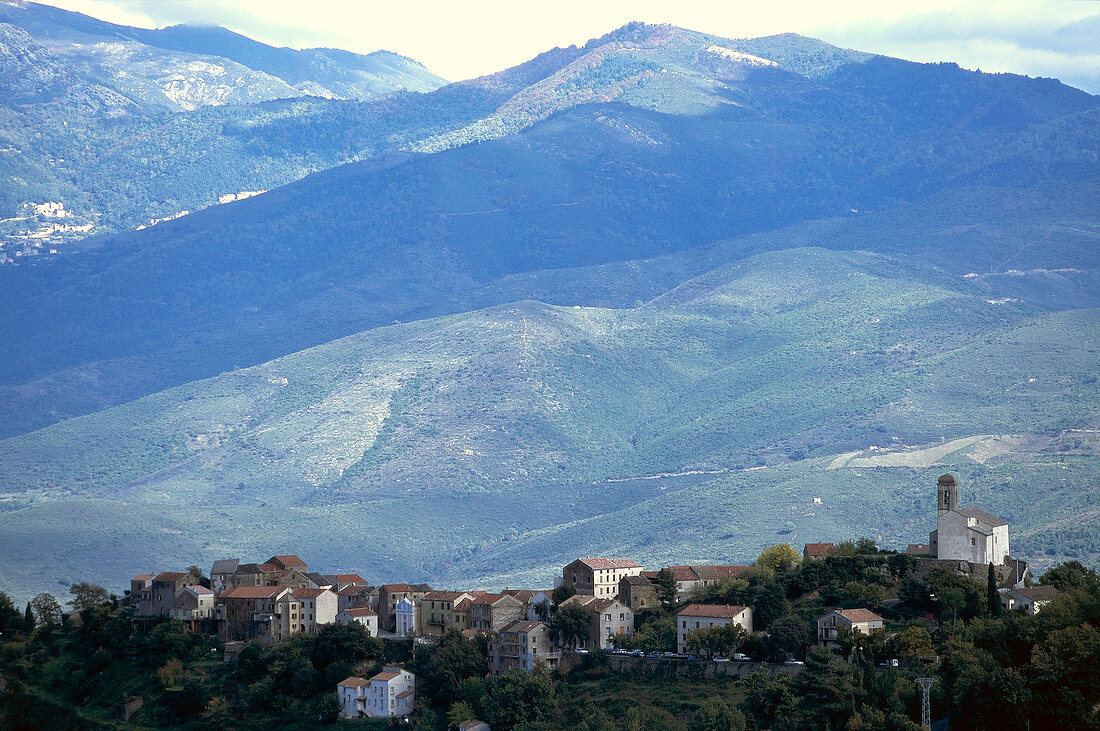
pixel 324 439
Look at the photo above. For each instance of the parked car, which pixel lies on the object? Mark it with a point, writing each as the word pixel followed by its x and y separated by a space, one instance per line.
pixel 741 657
pixel 637 653
pixel 792 661
pixel 721 659
pixel 891 663
pixel 580 652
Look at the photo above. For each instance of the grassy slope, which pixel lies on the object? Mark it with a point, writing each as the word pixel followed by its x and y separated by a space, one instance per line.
pixel 478 445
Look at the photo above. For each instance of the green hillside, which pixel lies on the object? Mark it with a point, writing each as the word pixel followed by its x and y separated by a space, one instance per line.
pixel 492 444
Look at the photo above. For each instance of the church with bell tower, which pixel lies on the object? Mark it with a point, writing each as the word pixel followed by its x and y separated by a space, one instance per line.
pixel 966 534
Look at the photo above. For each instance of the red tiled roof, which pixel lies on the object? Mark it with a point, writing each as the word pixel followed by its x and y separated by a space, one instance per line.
pixel 819 549
pixel 354 590
pixel 304 593
pixel 198 589
pixel 142 577
pixel 730 572
pixel 859 615
pixel 253 592
pixel 683 573
pixel 350 578
pixel 521 625
pixel 444 596
pixel 649 574
pixel 385 676
pixel 354 682
pixel 171 576
pixel 287 560
pixel 711 610
pixel 361 612
pixel 392 588
pixel 610 563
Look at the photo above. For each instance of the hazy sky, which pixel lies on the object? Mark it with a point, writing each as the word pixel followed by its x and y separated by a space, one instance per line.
pixel 458 40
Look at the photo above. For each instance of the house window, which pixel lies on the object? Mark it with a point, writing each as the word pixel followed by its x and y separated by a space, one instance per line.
pixel 607 617
pixel 972 542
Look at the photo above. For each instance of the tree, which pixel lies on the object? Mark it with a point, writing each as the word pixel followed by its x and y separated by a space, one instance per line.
pixel 452 661
pixel 714 714
pixel 767 699
pixel 47 612
pixel 826 690
pixel 1070 576
pixel 993 598
pixel 169 673
pixel 666 587
pixel 329 708
pixel 571 623
pixel 913 642
pixel 28 618
pixel 866 546
pixel 787 637
pixel 10 618
pixel 516 699
pixel 562 593
pixel 87 596
pixel 460 712
pixel 197 577
pixel 769 604
pixel 773 557
pixel 218 713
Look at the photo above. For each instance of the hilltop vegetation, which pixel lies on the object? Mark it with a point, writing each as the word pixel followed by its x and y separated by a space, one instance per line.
pixel 499 429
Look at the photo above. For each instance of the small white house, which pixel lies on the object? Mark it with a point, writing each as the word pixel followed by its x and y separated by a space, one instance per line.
pixel 1028 599
pixel 353 697
pixel 364 616
pixel 695 617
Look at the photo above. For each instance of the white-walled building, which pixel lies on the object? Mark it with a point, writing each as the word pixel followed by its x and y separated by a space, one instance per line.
pixel 407 618
pixel 966 534
pixel 701 616
pixel 364 616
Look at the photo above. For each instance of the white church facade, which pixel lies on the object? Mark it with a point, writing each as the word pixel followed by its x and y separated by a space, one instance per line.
pixel 966 534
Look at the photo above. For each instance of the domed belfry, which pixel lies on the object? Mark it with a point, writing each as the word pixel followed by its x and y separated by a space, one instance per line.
pixel 966 534
pixel 948 492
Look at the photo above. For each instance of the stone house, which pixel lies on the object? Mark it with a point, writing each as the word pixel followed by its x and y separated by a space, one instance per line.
pixel 638 592
pixel 521 646
pixel 344 580
pixel 863 621
pixel 355 597
pixel 141 594
pixel 701 616
pixel 247 613
pixel 193 604
pixel 289 561
pixel 320 581
pixel 494 612
pixel 314 607
pixel 163 590
pixel 388 597
pixel 291 577
pixel 221 574
pixel 1030 599
pixel 610 618
pixel 255 574
pixel 598 577
pixel 818 551
pixel 363 616
pixel 440 611
pixel 534 601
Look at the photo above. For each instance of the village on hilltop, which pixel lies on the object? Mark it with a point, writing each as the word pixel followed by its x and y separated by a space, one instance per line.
pixel 269 602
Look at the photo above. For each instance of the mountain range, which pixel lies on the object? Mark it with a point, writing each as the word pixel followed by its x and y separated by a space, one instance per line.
pixel 648 296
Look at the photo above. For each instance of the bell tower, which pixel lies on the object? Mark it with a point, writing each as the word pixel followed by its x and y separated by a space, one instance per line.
pixel 947 494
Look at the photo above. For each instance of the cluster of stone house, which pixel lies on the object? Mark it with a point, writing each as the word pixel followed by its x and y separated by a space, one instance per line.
pixel 267 602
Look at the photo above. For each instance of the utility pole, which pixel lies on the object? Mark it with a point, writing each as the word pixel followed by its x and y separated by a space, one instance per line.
pixel 925 709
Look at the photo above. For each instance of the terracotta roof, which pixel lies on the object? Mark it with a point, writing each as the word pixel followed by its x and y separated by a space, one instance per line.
pixel 445 596
pixel 982 517
pixel 404 694
pixel 601 604
pixel 361 612
pixel 683 573
pixel 304 593
pixel 253 592
pixel 354 682
pixel 355 590
pixel 350 578
pixel 462 606
pixel 1038 593
pixel 225 566
pixel 859 615
pixel 711 610
pixel 171 576
pixel 582 599
pixel 819 549
pixel 287 560
pixel 393 588
pixel 725 571
pixel 524 595
pixel 521 625
pixel 142 577
pixel 610 563
pixel 198 589
pixel 385 676
pixel 649 574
